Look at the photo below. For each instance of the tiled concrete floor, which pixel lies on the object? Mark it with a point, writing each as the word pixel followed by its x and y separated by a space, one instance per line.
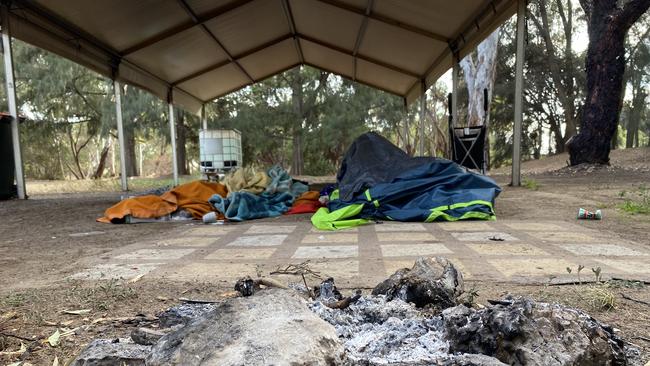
pixel 517 251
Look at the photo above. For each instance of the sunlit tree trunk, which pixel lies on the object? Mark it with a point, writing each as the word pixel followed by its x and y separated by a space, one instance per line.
pixel 479 74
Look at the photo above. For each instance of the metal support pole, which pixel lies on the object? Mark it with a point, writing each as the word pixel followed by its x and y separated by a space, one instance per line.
pixel 120 133
pixel 423 106
pixel 204 118
pixel 13 105
pixel 454 91
pixel 172 134
pixel 519 86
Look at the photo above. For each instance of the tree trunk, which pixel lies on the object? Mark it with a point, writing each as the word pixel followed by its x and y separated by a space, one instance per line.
pixel 297 164
pixel 181 139
pixel 638 104
pixel 605 65
pixel 479 75
pixel 298 107
pixel 129 150
pixel 101 166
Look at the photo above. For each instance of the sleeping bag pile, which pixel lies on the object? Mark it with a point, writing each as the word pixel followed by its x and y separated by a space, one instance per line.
pixel 379 181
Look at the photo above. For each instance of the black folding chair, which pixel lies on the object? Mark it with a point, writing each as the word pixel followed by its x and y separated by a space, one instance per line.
pixel 468 144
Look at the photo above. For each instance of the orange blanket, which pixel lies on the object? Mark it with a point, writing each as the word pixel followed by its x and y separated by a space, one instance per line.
pixel 192 197
pixel 307 203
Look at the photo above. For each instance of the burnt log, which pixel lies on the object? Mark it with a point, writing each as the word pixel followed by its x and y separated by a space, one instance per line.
pixel 431 282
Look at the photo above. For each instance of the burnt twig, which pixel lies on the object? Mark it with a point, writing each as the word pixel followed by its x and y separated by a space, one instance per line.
pixel 343 304
pixel 296 270
pixel 634 300
pixel 10 335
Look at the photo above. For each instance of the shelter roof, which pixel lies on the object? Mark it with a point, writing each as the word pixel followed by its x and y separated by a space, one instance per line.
pixel 194 51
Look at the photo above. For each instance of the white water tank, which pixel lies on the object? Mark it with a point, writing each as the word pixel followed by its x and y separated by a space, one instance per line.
pixel 219 150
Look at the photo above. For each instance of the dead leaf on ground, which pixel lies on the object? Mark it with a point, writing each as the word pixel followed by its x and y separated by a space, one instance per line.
pixel 8 316
pixel 54 339
pixel 22 350
pixel 136 278
pixel 229 294
pixel 56 361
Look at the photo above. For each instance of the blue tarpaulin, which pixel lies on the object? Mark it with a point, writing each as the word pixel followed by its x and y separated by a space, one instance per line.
pixel 379 181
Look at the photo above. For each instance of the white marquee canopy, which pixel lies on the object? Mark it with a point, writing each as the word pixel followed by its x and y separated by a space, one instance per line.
pixel 190 52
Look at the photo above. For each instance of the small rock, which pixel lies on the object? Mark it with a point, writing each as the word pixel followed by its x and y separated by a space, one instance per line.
pixel 273 327
pixel 183 314
pixel 106 352
pixel 146 336
pixel 430 282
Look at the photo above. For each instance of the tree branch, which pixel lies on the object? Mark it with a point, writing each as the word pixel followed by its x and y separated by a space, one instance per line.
pixel 631 12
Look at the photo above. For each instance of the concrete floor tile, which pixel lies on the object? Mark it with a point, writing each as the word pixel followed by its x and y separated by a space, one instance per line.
pixel 258 241
pixel 497 248
pixel 542 267
pixel 216 271
pixel 187 241
pixel 484 236
pixel 538 226
pixel 109 271
pixel 399 226
pixel 411 236
pixel 271 229
pixel 413 250
pixel 465 226
pixel 393 265
pixel 210 230
pixel 601 249
pixel 318 231
pixel 241 253
pixel 562 236
pixel 155 254
pixel 332 238
pixel 627 266
pixel 330 251
pixel 336 269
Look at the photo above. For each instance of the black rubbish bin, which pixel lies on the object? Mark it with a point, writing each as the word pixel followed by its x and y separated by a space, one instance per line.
pixel 7 171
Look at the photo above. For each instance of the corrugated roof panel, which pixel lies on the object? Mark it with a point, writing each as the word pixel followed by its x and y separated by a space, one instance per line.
pixel 205 7
pixel 271 60
pixel 389 44
pixel 251 25
pixel 436 16
pixel 119 23
pixel 328 59
pixel 180 55
pixel 384 78
pixel 216 82
pixel 326 23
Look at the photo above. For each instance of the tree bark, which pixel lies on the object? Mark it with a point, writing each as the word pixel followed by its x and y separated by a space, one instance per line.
pixel 129 150
pixel 101 166
pixel 181 139
pixel 479 74
pixel 297 104
pixel 605 65
pixel 638 103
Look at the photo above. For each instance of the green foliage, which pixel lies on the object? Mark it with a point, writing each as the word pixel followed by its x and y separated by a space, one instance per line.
pixel 307 108
pixel 531 184
pixel 637 202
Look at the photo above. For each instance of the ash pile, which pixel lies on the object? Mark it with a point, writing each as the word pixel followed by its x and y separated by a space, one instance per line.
pixel 415 317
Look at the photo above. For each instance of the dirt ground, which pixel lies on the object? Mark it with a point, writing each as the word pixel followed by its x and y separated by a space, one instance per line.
pixel 42 238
